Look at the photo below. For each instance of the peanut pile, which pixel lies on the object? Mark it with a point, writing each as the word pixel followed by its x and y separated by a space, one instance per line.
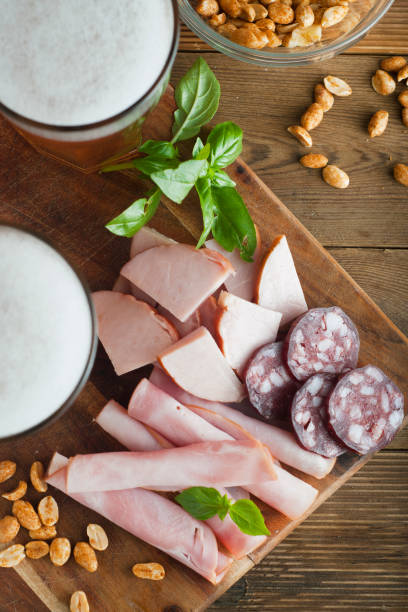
pixel 272 23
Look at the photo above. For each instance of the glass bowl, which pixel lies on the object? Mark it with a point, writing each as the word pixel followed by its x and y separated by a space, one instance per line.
pixel 362 16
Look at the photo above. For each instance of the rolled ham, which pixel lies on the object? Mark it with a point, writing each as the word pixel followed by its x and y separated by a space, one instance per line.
pixel 283 444
pixel 278 286
pixel 132 332
pixel 197 365
pixel 242 327
pixel 155 520
pixel 178 276
pixel 122 285
pixel 147 238
pixel 208 464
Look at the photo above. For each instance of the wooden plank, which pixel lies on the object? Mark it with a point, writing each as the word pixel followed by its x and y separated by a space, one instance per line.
pixel 388 36
pixel 372 211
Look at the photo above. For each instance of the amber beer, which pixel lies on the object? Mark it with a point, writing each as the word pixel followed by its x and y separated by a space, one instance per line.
pixel 79 76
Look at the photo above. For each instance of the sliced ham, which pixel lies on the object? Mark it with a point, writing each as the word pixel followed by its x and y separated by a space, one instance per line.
pixel 283 444
pixel 123 285
pixel 242 283
pixel 193 322
pixel 278 286
pixel 208 310
pixel 178 276
pixel 225 463
pixel 155 520
pixel 242 327
pixel 197 365
pixel 132 332
pixel 147 238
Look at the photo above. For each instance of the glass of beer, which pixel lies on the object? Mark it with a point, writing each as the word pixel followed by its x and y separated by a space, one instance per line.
pixel 47 333
pixel 78 77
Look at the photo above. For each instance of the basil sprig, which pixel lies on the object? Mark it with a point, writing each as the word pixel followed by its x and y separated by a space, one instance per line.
pixel 224 212
pixel 205 502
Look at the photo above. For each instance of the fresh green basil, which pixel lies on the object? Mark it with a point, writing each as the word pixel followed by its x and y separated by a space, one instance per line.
pixel 136 216
pixel 176 183
pixel 219 178
pixel 248 517
pixel 226 144
pixel 198 146
pixel 203 188
pixel 150 164
pixel 197 96
pixel 159 148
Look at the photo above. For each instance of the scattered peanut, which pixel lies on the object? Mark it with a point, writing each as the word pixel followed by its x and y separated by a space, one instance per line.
pixel 97 537
pixel 323 97
pixel 17 493
pixel 43 533
pixel 301 134
pixel 401 174
pixel 12 556
pixel 26 515
pixel 9 528
pixel 312 117
pixel 394 63
pixel 383 83
pixel 335 177
pixel 7 470
pixel 207 8
pixel 378 123
pixel 60 551
pixel 337 86
pixel 404 116
pixel 48 511
pixel 149 571
pixel 79 602
pixel 37 549
pixel 403 98
pixel 85 556
pixel 402 73
pixel 314 160
pixel 37 477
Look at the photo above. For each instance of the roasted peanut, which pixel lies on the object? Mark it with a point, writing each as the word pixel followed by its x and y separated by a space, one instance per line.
pixel 207 8
pixel 273 39
pixel 26 515
pixel 335 177
pixel 37 549
pixel 401 174
pixel 97 537
pixel 7 470
pixel 79 602
pixel 12 556
pixel 312 117
pixel 9 528
pixel 304 15
pixel 85 556
pixel 286 29
pixel 403 98
pixel 323 97
pixel 303 37
pixel 333 15
pixel 301 135
pixel 231 7
pixel 337 86
pixel 226 29
pixel 266 24
pixel 249 38
pixel 280 13
pixel 402 74
pixel 217 20
pixel 378 123
pixel 149 571
pixel 60 551
pixel 247 12
pixel 314 160
pixel 404 116
pixel 383 83
pixel 37 477
pixel 260 11
pixel 394 63
pixel 43 533
pixel 48 511
pixel 17 493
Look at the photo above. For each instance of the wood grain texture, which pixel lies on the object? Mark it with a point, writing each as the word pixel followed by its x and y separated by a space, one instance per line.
pixel 388 36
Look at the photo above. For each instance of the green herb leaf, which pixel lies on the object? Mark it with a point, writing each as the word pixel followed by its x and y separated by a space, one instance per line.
pixel 159 148
pixel 150 164
pixel 136 216
pixel 204 153
pixel 201 502
pixel 221 179
pixel 223 511
pixel 203 188
pixel 246 514
pixel 226 144
pixel 198 146
pixel 176 183
pixel 197 96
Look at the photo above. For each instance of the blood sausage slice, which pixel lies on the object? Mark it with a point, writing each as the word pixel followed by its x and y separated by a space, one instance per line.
pixel 309 416
pixel 366 409
pixel 278 286
pixel 197 365
pixel 178 276
pixel 132 332
pixel 322 340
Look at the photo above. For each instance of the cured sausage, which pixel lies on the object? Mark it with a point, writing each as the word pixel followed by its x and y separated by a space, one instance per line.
pixel 269 383
pixel 322 340
pixel 365 409
pixel 309 416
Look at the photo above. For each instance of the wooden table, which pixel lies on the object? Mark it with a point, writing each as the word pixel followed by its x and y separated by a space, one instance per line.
pixel 351 553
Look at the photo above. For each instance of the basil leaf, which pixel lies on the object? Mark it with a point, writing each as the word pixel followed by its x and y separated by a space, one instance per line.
pixel 246 514
pixel 197 96
pixel 221 179
pixel 203 188
pixel 223 511
pixel 201 502
pixel 198 146
pixel 159 148
pixel 176 183
pixel 204 153
pixel 233 225
pixel 136 216
pixel 151 164
pixel 226 144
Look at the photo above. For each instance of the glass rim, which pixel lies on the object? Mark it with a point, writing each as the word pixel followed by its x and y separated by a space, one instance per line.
pixel 68 402
pixel 8 112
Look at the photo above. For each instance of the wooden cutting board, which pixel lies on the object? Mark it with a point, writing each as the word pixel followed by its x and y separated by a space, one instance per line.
pixel 71 210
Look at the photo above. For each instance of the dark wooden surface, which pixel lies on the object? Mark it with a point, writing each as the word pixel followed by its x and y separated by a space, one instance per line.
pixel 351 553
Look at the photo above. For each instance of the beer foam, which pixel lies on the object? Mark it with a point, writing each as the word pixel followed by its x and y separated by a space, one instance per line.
pixel 45 331
pixel 76 62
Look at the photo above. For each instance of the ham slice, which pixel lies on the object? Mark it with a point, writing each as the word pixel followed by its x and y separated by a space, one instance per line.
pixel 147 238
pixel 197 365
pixel 178 276
pixel 208 464
pixel 132 332
pixel 282 444
pixel 242 327
pixel 122 285
pixel 193 322
pixel 208 310
pixel 278 287
pixel 155 520
pixel 115 420
pixel 242 283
